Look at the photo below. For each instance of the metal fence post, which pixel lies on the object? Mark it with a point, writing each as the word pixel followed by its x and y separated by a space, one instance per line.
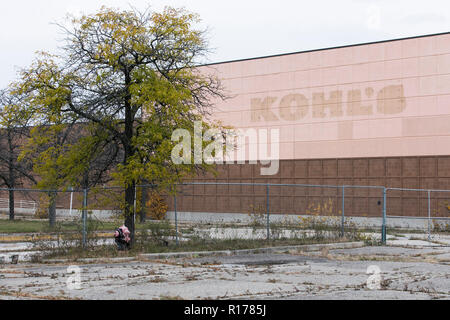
pixel 71 200
pixel 267 212
pixel 429 215
pixel 84 216
pixel 343 212
pixel 176 218
pixel 134 205
pixel 383 227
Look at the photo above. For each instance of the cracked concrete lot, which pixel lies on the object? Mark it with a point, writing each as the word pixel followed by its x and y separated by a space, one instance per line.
pixel 359 273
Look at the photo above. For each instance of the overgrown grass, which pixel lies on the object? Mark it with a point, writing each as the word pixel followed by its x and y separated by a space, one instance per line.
pixel 42 226
pixel 159 237
pixel 110 251
pixel 21 226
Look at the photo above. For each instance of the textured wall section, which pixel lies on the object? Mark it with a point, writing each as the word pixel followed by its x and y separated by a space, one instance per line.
pixel 397 172
pixel 373 114
pixel 374 100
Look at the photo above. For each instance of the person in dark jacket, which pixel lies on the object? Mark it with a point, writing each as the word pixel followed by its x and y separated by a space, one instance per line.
pixel 122 238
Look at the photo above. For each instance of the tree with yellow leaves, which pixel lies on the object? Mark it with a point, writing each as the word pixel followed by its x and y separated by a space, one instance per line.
pixel 129 79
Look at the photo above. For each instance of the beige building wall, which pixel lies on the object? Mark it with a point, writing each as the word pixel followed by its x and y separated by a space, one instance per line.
pixel 383 99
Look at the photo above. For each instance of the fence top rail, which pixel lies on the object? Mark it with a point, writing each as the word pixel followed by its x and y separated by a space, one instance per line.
pixel 40 190
pixel 276 185
pixel 410 217
pixel 423 190
pixel 202 183
pixel 231 184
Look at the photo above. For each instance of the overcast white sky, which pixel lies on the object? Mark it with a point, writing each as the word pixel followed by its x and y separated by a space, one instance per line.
pixel 238 29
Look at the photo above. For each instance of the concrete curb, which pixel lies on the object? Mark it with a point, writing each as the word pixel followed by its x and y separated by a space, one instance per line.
pixel 91 260
pixel 196 254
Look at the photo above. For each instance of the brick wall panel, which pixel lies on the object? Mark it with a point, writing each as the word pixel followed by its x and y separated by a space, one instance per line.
pixel 301 169
pixel 222 171
pixel 301 191
pixel 288 190
pixel 274 190
pixel 222 189
pixel 428 166
pixel 410 172
pixel 443 167
pixel 235 190
pixel 234 171
pixel 287 169
pixel 235 204
pixel 246 171
pixel 210 189
pixel 360 167
pixel 376 167
pixel 410 167
pixel 330 168
pixel 274 204
pixel 185 203
pixel 223 204
pixel 247 190
pixel 260 190
pixel 300 205
pixel 314 191
pixel 360 206
pixel 410 207
pixel 345 167
pixel 198 204
pixel 376 207
pixel 394 167
pixel 394 206
pixel 210 204
pixel 443 183
pixel 287 205
pixel 247 204
pixel 315 169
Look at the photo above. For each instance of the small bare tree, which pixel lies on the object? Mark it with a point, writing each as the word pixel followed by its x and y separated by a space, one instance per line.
pixel 13 133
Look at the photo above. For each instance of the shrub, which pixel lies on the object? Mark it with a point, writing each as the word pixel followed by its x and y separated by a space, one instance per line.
pixel 42 209
pixel 156 206
pixel 258 215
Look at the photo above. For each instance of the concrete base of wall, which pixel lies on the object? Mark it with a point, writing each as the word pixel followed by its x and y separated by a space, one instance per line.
pixel 391 222
pixel 98 214
pixel 240 218
pixel 65 213
pixel 18 211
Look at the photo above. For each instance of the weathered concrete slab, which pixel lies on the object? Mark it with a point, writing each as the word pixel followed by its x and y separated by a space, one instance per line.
pixel 404 273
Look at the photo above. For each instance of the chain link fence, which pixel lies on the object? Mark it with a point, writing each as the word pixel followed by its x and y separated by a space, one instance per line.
pixel 419 209
pixel 277 210
pixel 242 210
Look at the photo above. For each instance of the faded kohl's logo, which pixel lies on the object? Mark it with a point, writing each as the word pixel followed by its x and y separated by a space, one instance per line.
pixel 389 100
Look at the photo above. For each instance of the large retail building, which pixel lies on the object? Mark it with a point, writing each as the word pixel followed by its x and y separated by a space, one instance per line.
pixel 372 114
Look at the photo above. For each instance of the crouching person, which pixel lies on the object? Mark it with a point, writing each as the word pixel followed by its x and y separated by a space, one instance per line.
pixel 122 238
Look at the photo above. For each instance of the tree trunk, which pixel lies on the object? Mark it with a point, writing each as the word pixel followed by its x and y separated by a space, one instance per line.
pixel 11 181
pixel 129 151
pixel 129 210
pixel 11 204
pixel 52 209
